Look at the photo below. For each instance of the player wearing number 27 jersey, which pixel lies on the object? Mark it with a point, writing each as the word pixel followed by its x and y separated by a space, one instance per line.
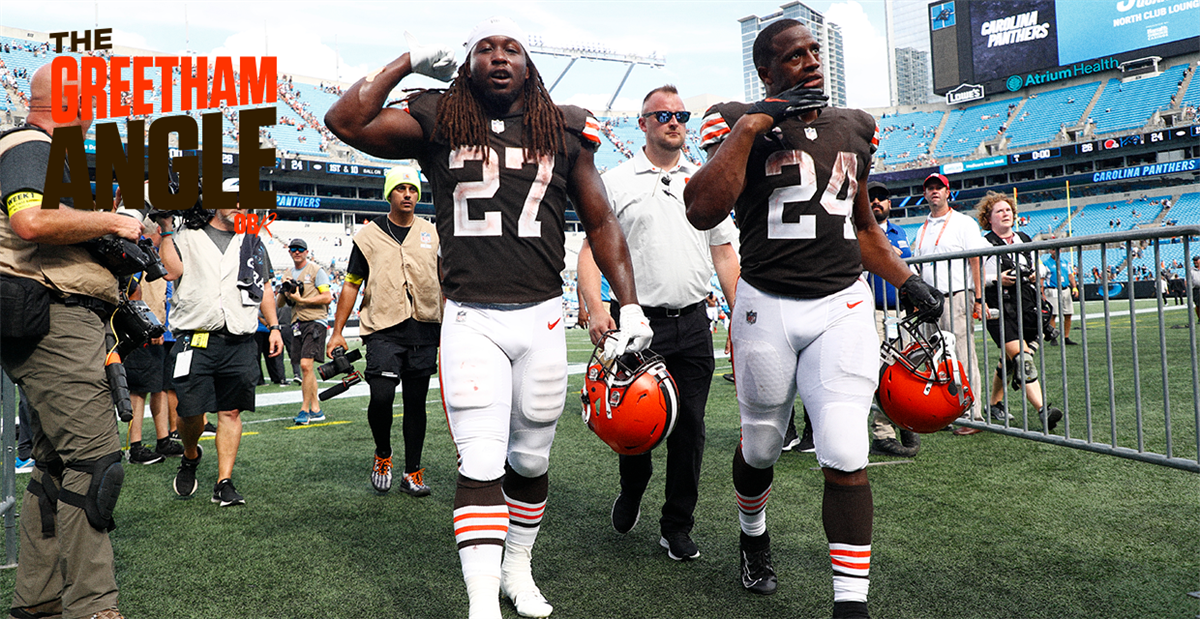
pixel 503 160
pixel 794 173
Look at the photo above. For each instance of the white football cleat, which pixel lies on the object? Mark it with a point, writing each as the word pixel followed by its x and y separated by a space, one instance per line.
pixel 516 582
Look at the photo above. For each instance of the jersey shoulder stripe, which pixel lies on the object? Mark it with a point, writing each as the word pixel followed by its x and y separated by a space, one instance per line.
pixel 591 130
pixel 718 121
pixel 581 123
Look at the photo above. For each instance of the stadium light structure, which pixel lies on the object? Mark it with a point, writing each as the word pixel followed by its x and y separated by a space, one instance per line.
pixel 590 51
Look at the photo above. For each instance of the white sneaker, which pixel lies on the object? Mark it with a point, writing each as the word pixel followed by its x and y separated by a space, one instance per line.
pixel 516 582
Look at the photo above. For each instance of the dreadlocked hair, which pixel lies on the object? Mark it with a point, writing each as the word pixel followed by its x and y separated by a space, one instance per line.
pixel 461 119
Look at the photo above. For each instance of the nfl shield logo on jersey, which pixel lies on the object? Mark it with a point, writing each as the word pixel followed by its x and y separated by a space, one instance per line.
pixel 810 133
pixel 461 317
pixel 498 126
pixel 751 317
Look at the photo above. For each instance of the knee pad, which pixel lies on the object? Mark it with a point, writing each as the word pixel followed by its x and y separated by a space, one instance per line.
pixel 528 464
pixel 107 478
pixel 1025 361
pixel 761 443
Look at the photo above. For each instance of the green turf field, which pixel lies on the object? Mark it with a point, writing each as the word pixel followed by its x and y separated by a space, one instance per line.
pixel 983 526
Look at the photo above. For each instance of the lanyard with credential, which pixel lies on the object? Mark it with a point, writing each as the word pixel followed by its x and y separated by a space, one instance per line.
pixel 921 240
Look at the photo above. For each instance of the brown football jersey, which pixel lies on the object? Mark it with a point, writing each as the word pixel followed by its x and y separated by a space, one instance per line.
pixel 502 221
pixel 795 215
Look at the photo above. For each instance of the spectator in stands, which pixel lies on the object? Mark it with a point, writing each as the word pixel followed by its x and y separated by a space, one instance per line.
pixel 306 289
pixel 395 257
pixel 1060 289
pixel 1013 323
pixel 946 230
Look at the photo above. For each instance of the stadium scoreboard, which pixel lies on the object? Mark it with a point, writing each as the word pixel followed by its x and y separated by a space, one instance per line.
pixel 984 47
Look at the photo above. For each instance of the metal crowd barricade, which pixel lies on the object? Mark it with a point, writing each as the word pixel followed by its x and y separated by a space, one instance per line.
pixel 1122 394
pixel 8 459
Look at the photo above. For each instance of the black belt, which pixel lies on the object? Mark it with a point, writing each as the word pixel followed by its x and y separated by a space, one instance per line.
pixel 220 334
pixel 668 312
pixel 99 306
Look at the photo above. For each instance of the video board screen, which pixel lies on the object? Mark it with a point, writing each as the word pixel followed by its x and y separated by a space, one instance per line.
pixel 1095 29
pixel 1012 37
pixel 993 42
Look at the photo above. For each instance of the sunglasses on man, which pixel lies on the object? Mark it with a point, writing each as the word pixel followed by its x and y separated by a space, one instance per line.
pixel 664 116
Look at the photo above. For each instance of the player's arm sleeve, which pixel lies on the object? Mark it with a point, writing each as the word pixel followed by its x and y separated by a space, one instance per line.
pixel 725 232
pixel 357 268
pixel 321 281
pixel 23 176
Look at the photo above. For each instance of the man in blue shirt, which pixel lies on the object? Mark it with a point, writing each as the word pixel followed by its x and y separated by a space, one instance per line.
pixel 1060 290
pixel 883 433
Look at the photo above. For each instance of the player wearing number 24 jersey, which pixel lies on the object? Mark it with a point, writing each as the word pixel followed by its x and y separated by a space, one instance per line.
pixel 798 237
pixel 503 160
pixel 795 172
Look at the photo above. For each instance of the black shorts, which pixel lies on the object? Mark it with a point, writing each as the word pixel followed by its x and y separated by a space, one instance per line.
pixel 391 359
pixel 222 375
pixel 308 341
pixel 169 353
pixel 144 369
pixel 1011 332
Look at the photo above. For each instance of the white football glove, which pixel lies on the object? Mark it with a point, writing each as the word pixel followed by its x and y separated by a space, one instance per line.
pixel 633 336
pixel 431 61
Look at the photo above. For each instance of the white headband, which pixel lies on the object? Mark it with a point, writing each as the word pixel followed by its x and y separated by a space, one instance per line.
pixel 494 26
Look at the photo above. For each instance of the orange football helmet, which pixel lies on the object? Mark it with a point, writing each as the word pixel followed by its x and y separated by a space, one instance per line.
pixel 923 387
pixel 630 402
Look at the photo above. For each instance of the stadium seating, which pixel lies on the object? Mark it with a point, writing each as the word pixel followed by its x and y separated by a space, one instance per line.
pixel 905 137
pixel 967 128
pixel 1129 105
pixel 1044 221
pixel 1192 96
pixel 1042 116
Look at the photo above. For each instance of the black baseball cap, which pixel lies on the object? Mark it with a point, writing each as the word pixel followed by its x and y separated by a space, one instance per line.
pixel 875 188
pixel 298 244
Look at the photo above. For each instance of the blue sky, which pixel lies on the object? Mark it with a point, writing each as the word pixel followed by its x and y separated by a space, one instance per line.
pixel 700 39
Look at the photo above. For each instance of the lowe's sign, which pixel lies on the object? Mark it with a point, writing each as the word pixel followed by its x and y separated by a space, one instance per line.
pixel 964 93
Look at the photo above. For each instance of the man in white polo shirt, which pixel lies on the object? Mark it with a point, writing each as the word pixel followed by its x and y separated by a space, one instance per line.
pixel 946 231
pixel 672 265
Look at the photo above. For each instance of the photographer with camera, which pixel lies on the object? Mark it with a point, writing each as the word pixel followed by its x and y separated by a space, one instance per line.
pixel 306 289
pixel 144 369
pixel 221 286
pixel 1001 276
pixel 395 261
pixel 56 299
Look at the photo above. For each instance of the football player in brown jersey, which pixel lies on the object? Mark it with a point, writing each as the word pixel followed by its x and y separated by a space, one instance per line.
pixel 796 173
pixel 503 160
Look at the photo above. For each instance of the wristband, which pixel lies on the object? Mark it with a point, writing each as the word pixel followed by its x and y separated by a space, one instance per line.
pixel 275 327
pixel 979 299
pixel 167 233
